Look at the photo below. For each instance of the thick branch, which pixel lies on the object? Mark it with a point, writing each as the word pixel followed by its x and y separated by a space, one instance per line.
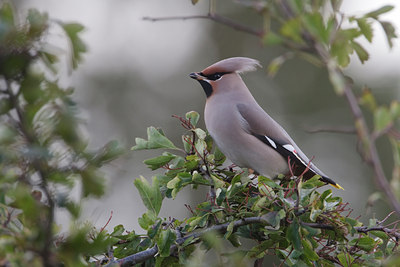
pixel 214 17
pixel 151 252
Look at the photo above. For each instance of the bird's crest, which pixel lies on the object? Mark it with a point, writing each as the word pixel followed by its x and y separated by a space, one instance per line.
pixel 233 64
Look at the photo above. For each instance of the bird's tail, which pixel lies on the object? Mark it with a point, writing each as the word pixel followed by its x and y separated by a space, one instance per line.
pixel 331 182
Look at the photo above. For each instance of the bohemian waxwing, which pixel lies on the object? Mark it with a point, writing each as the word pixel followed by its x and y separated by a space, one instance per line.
pixel 242 130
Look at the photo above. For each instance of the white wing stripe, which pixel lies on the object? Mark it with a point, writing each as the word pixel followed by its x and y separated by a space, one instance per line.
pixel 271 142
pixel 290 148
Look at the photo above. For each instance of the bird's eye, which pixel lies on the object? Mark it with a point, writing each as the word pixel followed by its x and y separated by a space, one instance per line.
pixel 215 76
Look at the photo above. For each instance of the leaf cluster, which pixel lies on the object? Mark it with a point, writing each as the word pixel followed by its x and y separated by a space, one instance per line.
pixel 288 218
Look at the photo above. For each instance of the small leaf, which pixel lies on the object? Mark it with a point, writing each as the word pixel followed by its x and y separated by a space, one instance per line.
pixel 173 183
pixel 345 259
pixel 194 1
pixel 151 195
pixel 229 230
pixel 367 99
pixel 193 117
pixel 366 28
pixel 361 52
pixel 200 133
pixel 260 204
pixel 217 182
pixel 308 250
pixel 390 32
pixel 366 243
pixel 293 235
pixel 164 242
pixel 292 29
pixel 382 119
pixel 274 217
pixel 374 14
pixel 78 47
pixel 156 139
pixel 272 38
pixel 157 162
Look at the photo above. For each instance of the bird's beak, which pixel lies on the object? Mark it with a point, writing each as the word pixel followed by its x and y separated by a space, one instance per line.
pixel 196 76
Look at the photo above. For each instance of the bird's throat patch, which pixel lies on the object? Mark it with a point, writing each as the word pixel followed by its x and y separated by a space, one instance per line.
pixel 206 87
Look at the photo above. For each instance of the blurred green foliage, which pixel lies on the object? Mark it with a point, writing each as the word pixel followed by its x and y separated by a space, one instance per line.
pixel 43 153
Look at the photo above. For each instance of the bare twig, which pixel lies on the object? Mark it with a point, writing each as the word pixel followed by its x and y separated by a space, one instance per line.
pixel 333 129
pixel 214 17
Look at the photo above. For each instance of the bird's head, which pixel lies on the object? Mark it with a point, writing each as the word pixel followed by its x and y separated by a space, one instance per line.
pixel 214 76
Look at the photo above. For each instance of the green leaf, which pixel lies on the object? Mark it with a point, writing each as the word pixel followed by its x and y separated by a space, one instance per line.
pixel 390 32
pixel 293 235
pixel 259 204
pixel 315 25
pixel 382 119
pixel 174 183
pixel 92 182
pixel 380 234
pixel 147 220
pixel 156 139
pixel 345 259
pixel 366 243
pixel 292 29
pixel 217 182
pixel 272 38
pixel 164 242
pixel 275 65
pixel 274 217
pixel 395 109
pixel 360 51
pixel 200 133
pixel 7 18
pixel 308 250
pixel 194 1
pixel 229 230
pixel 157 162
pixel 78 47
pixel 367 99
pixel 193 117
pixel 151 195
pixel 366 28
pixel 197 178
pixel 376 13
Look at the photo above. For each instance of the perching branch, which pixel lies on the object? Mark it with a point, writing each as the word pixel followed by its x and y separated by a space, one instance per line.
pixel 222 228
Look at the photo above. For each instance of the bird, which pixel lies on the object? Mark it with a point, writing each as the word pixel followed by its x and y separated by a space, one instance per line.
pixel 243 131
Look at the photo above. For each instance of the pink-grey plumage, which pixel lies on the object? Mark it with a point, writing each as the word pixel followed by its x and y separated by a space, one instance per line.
pixel 242 130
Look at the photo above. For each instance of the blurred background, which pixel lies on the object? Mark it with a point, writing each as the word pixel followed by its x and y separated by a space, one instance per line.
pixel 135 75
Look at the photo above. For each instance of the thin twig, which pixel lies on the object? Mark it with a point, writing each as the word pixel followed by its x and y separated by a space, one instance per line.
pixel 214 17
pixel 333 129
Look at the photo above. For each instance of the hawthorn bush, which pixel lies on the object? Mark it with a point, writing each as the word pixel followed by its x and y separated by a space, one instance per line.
pixel 295 222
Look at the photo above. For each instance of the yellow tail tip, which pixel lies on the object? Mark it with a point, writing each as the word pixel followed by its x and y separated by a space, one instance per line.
pixel 337 186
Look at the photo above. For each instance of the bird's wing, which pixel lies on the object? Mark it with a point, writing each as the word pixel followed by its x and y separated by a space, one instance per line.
pixel 258 123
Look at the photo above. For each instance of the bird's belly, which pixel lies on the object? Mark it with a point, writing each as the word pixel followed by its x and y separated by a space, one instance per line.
pixel 247 151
